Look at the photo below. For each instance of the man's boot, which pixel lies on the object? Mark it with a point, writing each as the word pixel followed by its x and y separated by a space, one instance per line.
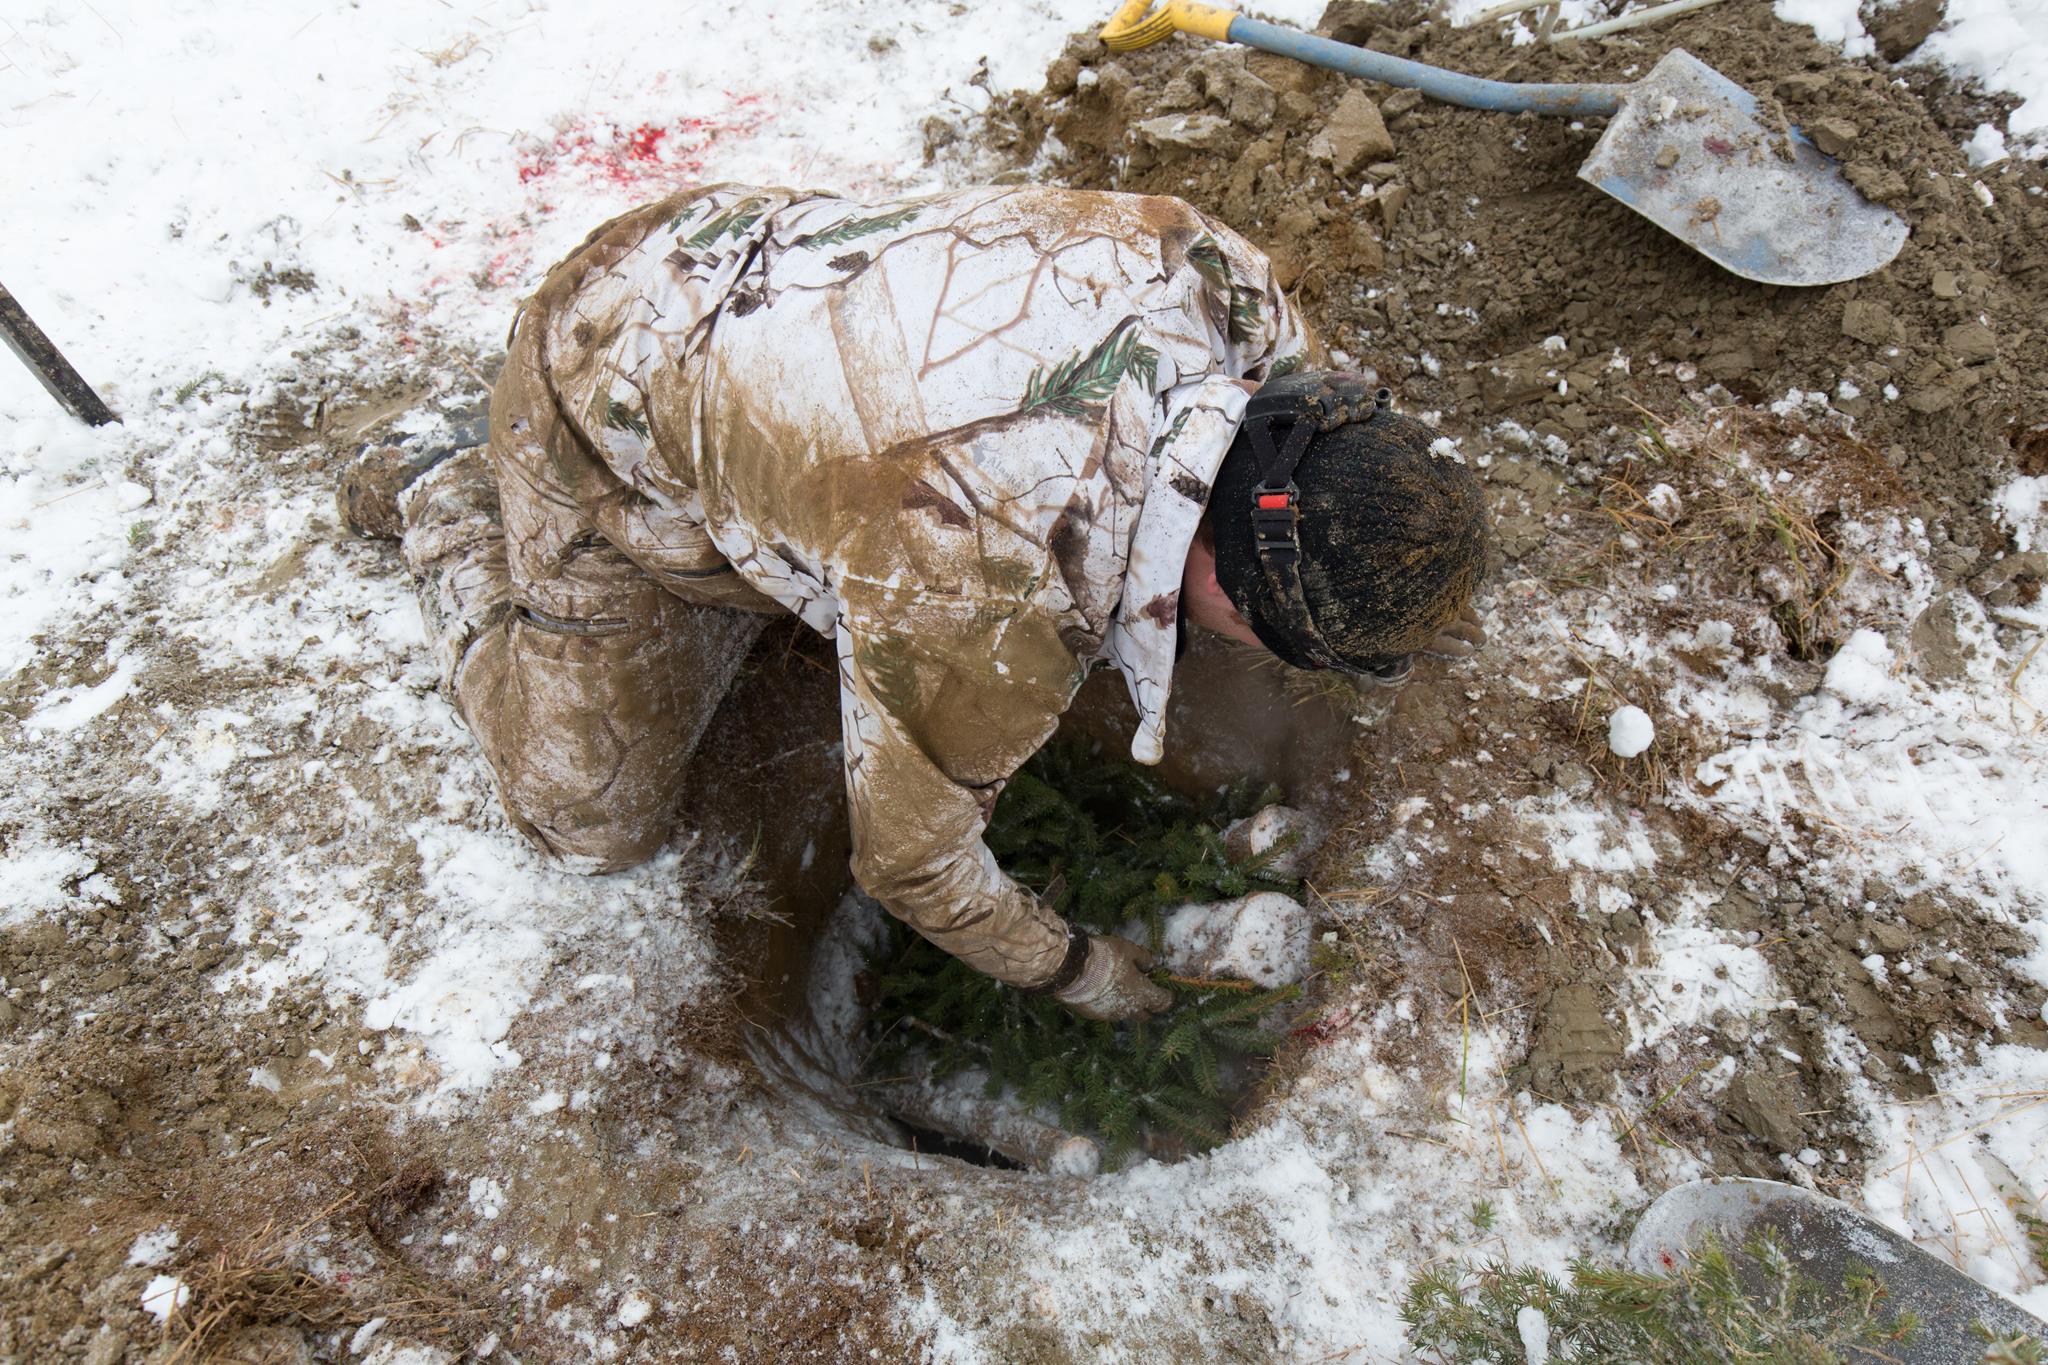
pixel 386 466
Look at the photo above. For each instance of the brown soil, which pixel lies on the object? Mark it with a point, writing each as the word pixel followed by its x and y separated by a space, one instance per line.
pixel 1446 265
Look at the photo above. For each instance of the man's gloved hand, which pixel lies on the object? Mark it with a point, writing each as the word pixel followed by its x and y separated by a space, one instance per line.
pixel 1461 639
pixel 1113 984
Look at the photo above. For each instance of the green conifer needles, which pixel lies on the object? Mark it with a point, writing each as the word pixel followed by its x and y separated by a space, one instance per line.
pixel 1105 845
pixel 1718 1308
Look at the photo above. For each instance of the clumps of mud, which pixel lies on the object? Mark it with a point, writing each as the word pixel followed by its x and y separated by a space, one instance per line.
pixel 1456 253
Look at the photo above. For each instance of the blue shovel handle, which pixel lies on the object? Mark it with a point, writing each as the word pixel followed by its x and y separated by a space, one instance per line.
pixel 1138 24
pixel 1451 87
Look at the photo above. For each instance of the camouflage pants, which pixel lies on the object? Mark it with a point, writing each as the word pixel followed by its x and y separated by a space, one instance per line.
pixel 585 635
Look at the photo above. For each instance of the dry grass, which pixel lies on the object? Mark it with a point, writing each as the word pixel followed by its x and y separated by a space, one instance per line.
pixel 258 1278
pixel 1734 518
pixel 1728 531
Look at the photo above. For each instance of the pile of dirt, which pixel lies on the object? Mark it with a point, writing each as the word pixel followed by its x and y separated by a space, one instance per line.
pixel 1563 338
pixel 1456 253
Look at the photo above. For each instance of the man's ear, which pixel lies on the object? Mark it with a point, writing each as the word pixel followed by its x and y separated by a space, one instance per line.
pixel 1215 586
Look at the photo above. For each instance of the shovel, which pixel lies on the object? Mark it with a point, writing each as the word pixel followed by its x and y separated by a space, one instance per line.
pixel 1683 147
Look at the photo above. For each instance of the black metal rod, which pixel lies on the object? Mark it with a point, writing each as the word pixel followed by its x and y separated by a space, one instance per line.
pixel 48 364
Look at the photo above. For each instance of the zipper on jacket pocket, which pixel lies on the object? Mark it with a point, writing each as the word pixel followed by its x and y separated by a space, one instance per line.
pixel 556 625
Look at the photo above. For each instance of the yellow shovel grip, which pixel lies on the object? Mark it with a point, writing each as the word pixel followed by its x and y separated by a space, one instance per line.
pixel 1134 28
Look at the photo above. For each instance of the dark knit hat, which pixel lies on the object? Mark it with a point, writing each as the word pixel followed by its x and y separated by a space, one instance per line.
pixel 1390 523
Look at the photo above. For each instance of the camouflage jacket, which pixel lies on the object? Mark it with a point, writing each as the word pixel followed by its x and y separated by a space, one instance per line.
pixel 968 437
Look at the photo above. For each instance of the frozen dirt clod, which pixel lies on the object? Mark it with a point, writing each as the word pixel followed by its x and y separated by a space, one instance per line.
pixel 1297 834
pixel 1352 137
pixel 1260 938
pixel 1575 1050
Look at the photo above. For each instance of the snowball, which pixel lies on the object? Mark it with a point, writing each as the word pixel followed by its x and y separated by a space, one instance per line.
pixel 1261 938
pixel 1534 1330
pixel 1861 669
pixel 487 1196
pixel 165 1295
pixel 633 1310
pixel 1076 1156
pixel 1629 731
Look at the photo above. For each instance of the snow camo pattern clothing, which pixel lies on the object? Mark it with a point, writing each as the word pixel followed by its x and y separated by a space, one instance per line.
pixel 968 437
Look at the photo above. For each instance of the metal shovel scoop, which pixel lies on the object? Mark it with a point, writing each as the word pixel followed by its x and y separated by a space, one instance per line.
pixel 1683 147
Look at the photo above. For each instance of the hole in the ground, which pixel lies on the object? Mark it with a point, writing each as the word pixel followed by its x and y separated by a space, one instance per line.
pixel 768 781
pixel 931 1142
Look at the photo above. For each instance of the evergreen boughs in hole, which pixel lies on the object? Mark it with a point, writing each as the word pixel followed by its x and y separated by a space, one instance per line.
pixel 1718 1308
pixel 1090 376
pixel 1104 844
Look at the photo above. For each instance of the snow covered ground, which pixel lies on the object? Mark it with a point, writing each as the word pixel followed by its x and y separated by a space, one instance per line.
pixel 218 209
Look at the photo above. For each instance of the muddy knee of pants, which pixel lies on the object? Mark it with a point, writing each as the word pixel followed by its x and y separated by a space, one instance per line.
pixel 553 599
pixel 455 546
pixel 589 725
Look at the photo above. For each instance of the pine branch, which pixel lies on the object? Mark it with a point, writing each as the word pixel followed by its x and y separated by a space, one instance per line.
pixel 1700 1313
pixel 1106 844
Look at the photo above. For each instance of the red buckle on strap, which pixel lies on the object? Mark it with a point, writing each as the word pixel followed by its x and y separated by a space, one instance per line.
pixel 1274 502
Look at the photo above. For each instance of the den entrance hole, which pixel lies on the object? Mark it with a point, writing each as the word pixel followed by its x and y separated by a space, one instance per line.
pixel 767 783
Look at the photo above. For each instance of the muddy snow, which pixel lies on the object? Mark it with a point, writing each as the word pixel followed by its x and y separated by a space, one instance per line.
pixel 1725 857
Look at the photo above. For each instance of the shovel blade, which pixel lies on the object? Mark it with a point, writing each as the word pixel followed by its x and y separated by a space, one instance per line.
pixel 1688 152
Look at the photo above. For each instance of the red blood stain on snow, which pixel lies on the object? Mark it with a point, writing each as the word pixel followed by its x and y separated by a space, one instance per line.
pixel 652 156
pixel 645 161
pixel 644 142
pixel 506 268
pixel 1320 1031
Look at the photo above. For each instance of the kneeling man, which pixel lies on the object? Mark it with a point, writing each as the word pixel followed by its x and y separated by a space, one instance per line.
pixel 983 441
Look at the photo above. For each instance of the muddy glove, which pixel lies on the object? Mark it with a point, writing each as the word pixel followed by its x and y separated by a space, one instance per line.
pixel 1461 639
pixel 1113 984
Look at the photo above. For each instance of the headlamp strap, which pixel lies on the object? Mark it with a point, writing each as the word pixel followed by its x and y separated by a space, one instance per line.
pixel 1276 528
